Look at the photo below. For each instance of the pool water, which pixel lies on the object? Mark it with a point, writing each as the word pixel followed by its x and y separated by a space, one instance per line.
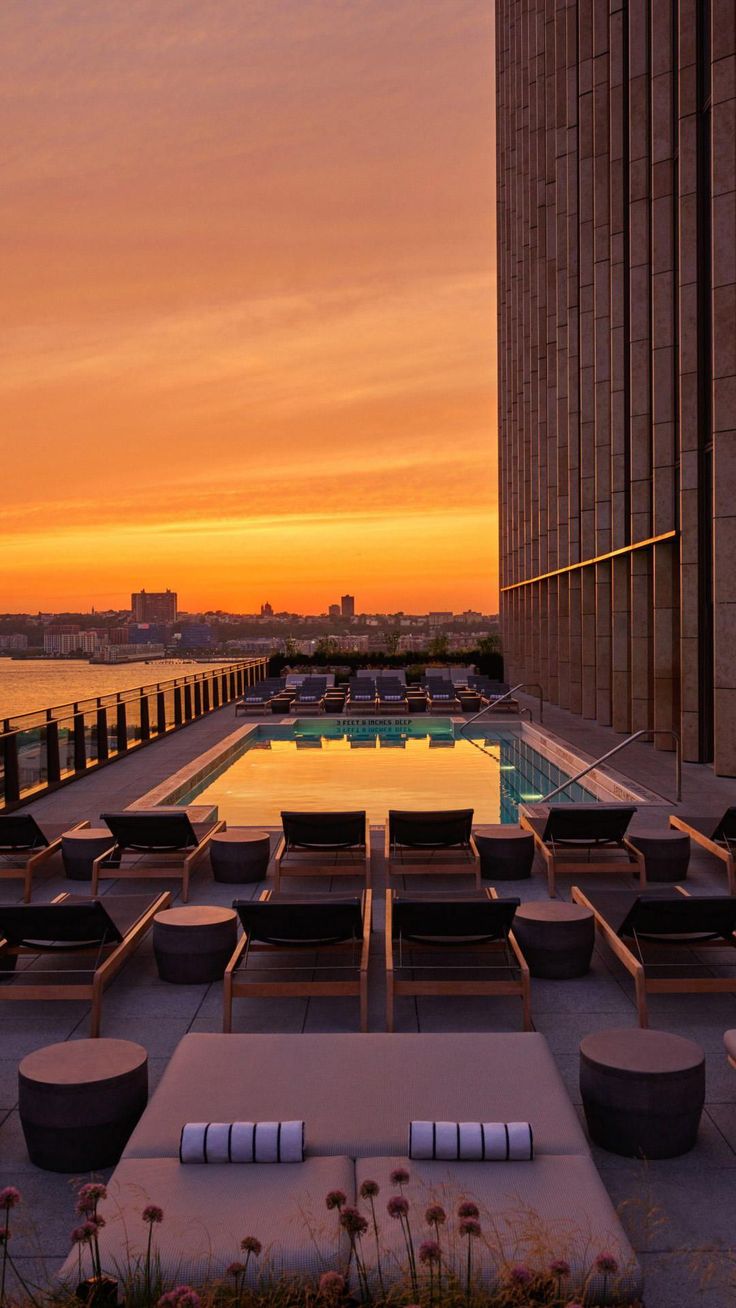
pixel 355 764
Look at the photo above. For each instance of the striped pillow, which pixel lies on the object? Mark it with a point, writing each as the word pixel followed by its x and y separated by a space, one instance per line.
pixel 471 1142
pixel 242 1142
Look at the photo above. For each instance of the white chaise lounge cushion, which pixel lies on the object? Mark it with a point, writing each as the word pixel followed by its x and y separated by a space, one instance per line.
pixel 501 1142
pixel 555 1208
pixel 242 1142
pixel 358 1092
pixel 209 1210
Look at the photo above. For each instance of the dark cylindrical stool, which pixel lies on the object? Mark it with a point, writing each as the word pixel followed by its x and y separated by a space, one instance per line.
pixel 79 1102
pixel 643 1091
pixel 239 855
pixel 193 944
pixel 506 852
pixel 556 939
pixel 666 853
pixel 79 849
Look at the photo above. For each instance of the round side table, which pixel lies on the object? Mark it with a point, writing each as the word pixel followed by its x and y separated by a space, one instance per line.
pixel 666 853
pixel 79 1102
pixel 555 938
pixel 79 849
pixel 643 1091
pixel 506 852
pixel 238 855
pixel 193 944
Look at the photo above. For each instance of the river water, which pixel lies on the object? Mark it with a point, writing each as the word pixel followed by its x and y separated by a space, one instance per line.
pixel 27 685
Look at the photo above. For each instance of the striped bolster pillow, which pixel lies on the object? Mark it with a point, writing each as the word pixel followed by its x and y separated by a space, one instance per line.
pixel 469 1142
pixel 242 1142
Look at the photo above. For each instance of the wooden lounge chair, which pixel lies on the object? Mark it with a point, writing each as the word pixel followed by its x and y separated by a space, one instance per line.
pixel 25 844
pixel 421 932
pixel 643 929
pixel 361 695
pixel 325 845
pixel 146 843
pixel 442 696
pixel 310 696
pixel 431 842
pixel 90 939
pixel 582 838
pixel 391 695
pixel 331 928
pixel 716 834
pixel 258 698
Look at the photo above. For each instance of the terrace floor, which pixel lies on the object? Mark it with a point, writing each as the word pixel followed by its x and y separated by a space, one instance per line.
pixel 679 1213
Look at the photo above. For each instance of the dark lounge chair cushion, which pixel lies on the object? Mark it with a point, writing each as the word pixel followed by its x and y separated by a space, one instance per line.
pixel 718 827
pixel 147 831
pixel 430 829
pixel 664 914
pixel 452 920
pixel 587 824
pixel 324 831
pixel 299 922
pixel 56 927
pixel 20 831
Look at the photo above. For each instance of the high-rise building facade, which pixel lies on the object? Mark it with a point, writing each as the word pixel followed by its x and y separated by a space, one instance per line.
pixel 154 606
pixel 347 606
pixel 617 361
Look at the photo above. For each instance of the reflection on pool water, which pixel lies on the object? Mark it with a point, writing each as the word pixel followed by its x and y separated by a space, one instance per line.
pixel 358 764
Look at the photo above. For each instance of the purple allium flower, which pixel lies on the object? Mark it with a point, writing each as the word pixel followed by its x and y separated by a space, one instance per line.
pixel 469 1226
pixel 335 1199
pixel 235 1269
pixel 606 1263
pixel 429 1252
pixel 78 1235
pixel 399 1176
pixel 369 1189
pixel 520 1275
pixel 153 1214
pixel 92 1191
pixel 251 1245
pixel 559 1267
pixel 183 1296
pixel 331 1285
pixel 9 1197
pixel 189 1299
pixel 397 1206
pixel 435 1215
pixel 353 1222
pixel 468 1209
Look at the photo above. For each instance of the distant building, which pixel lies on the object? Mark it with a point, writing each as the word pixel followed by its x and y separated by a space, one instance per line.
pixel 439 619
pixel 347 606
pixel 118 635
pixel 266 610
pixel 127 653
pixel 196 635
pixel 61 638
pixel 154 606
pixel 334 610
pixel 14 641
pixel 146 633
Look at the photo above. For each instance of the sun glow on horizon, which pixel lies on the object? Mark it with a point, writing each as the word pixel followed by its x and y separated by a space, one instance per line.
pixel 249 305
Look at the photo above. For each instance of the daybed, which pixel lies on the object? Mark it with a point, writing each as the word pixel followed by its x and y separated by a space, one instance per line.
pixel 356 1095
pixel 323 844
pixel 154 844
pixel 422 842
pixel 585 838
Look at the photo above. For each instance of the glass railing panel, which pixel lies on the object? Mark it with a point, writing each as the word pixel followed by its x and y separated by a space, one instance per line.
pixel 66 746
pixel 32 770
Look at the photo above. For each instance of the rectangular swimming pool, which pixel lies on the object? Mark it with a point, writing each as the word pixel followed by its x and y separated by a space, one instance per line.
pixel 375 765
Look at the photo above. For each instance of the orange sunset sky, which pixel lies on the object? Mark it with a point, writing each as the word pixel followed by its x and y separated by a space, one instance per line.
pixel 248 300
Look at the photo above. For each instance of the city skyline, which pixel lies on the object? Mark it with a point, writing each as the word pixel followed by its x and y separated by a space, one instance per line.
pixel 248 315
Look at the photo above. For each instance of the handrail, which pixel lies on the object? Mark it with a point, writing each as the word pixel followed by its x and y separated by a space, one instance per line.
pixel 644 731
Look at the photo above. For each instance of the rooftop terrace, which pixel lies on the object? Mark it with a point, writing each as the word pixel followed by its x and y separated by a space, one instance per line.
pixel 678 1213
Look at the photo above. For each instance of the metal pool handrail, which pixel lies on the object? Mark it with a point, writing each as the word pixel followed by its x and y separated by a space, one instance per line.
pixel 637 735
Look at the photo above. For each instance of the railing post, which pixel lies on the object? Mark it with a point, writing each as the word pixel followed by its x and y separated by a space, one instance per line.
pixel 233 688
pixel 121 728
pixel 160 713
pixel 11 769
pixel 80 743
pixel 177 706
pixel 215 692
pixel 197 699
pixel 187 702
pixel 103 748
pixel 53 762
pixel 145 718
pixel 206 696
